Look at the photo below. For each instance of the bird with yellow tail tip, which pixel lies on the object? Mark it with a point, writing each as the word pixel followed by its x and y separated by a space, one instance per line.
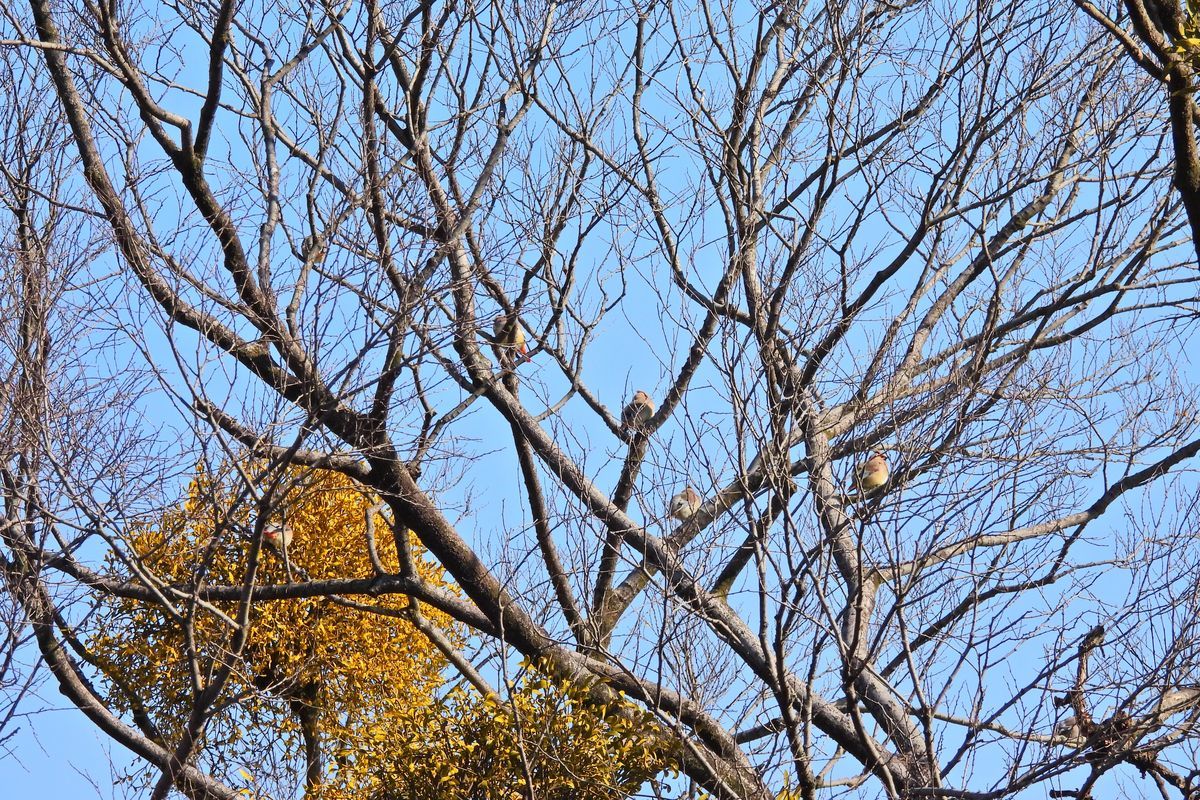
pixel 510 338
pixel 874 472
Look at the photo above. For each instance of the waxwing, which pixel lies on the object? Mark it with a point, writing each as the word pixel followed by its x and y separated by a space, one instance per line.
pixel 685 504
pixel 1071 731
pixel 638 412
pixel 277 537
pixel 872 473
pixel 510 335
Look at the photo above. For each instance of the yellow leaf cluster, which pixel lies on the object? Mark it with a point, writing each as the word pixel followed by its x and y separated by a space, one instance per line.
pixel 1187 38
pixel 354 667
pixel 389 726
pixel 549 739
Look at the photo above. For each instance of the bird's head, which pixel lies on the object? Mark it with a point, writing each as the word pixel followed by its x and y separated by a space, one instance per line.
pixel 641 397
pixel 275 534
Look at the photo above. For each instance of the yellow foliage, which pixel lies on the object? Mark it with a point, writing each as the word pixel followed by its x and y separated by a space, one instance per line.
pixel 352 666
pixel 389 728
pixel 1187 38
pixel 548 733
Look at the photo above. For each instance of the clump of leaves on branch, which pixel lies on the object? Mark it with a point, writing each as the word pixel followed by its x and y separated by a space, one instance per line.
pixel 356 680
pixel 550 733
pixel 305 660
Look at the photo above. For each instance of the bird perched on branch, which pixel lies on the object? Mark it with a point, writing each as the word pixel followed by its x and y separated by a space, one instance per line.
pixel 277 537
pixel 870 475
pixel 685 504
pixel 638 412
pixel 873 473
pixel 1070 731
pixel 510 338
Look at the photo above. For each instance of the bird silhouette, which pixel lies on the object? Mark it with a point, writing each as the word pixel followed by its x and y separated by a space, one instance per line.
pixel 638 412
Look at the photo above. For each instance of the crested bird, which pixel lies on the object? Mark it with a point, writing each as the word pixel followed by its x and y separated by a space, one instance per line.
pixel 638 412
pixel 685 504
pixel 510 336
pixel 277 537
pixel 869 476
pixel 872 473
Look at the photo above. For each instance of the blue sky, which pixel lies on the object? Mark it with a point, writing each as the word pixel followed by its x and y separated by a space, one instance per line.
pixel 637 348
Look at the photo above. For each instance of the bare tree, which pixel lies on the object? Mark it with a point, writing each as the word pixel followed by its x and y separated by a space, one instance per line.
pixel 944 232
pixel 60 423
pixel 1162 37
